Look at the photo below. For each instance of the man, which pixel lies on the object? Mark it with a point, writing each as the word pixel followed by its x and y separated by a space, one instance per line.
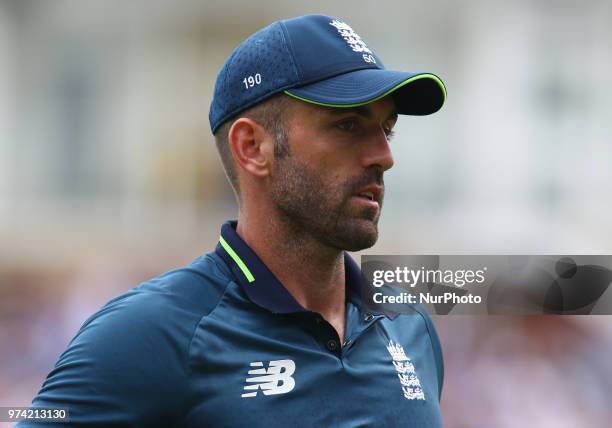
pixel 269 329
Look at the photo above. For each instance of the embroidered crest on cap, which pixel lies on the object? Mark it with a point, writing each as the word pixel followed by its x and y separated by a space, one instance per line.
pixel 353 40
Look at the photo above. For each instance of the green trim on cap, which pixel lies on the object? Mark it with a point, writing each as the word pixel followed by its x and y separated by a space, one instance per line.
pixel 245 270
pixel 395 88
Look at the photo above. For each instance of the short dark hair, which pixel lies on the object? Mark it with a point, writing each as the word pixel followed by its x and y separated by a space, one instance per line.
pixel 272 116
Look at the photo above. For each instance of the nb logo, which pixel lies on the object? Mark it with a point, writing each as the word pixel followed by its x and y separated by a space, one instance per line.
pixel 276 379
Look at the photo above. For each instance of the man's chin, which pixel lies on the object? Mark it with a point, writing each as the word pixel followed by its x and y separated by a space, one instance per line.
pixel 357 235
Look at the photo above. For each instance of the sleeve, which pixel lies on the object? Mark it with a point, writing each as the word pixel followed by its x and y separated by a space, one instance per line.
pixel 126 367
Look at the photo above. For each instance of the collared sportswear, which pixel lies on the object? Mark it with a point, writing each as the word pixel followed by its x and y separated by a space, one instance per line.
pixel 221 343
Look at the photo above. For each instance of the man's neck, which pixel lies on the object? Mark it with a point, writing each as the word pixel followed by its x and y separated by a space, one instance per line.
pixel 312 272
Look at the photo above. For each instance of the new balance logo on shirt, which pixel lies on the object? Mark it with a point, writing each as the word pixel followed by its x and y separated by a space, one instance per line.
pixel 276 379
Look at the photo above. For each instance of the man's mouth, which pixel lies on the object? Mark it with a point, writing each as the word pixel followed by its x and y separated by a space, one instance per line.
pixel 372 193
pixel 366 195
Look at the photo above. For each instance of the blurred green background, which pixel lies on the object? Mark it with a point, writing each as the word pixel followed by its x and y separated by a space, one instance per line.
pixel 109 174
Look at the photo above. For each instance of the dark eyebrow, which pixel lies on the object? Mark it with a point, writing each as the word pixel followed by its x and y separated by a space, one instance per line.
pixel 364 111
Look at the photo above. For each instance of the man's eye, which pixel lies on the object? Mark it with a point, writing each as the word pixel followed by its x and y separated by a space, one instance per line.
pixel 389 133
pixel 347 125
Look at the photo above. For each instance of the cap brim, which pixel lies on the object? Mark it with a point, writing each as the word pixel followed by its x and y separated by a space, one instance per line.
pixel 414 93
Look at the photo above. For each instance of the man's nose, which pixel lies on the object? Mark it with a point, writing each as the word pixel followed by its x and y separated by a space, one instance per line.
pixel 378 151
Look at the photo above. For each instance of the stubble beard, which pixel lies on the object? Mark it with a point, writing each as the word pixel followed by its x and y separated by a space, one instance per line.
pixel 313 208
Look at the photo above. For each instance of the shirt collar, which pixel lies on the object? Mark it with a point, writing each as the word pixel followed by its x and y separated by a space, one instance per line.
pixel 261 285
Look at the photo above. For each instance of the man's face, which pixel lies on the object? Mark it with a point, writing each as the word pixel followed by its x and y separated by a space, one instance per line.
pixel 331 184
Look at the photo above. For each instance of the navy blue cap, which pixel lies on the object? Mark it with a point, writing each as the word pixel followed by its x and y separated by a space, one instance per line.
pixel 321 60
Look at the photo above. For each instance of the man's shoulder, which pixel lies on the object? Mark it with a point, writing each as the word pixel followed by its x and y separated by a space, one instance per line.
pixel 196 287
pixel 130 360
pixel 167 308
pixel 415 309
pixel 193 290
pixel 418 313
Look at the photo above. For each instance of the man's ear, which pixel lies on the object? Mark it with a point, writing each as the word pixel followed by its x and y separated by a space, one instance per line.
pixel 251 146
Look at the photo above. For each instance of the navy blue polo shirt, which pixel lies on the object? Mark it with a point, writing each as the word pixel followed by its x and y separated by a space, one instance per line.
pixel 221 343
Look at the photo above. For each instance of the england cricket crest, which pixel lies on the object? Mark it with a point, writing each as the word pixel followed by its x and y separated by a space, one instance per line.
pixel 353 40
pixel 411 386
